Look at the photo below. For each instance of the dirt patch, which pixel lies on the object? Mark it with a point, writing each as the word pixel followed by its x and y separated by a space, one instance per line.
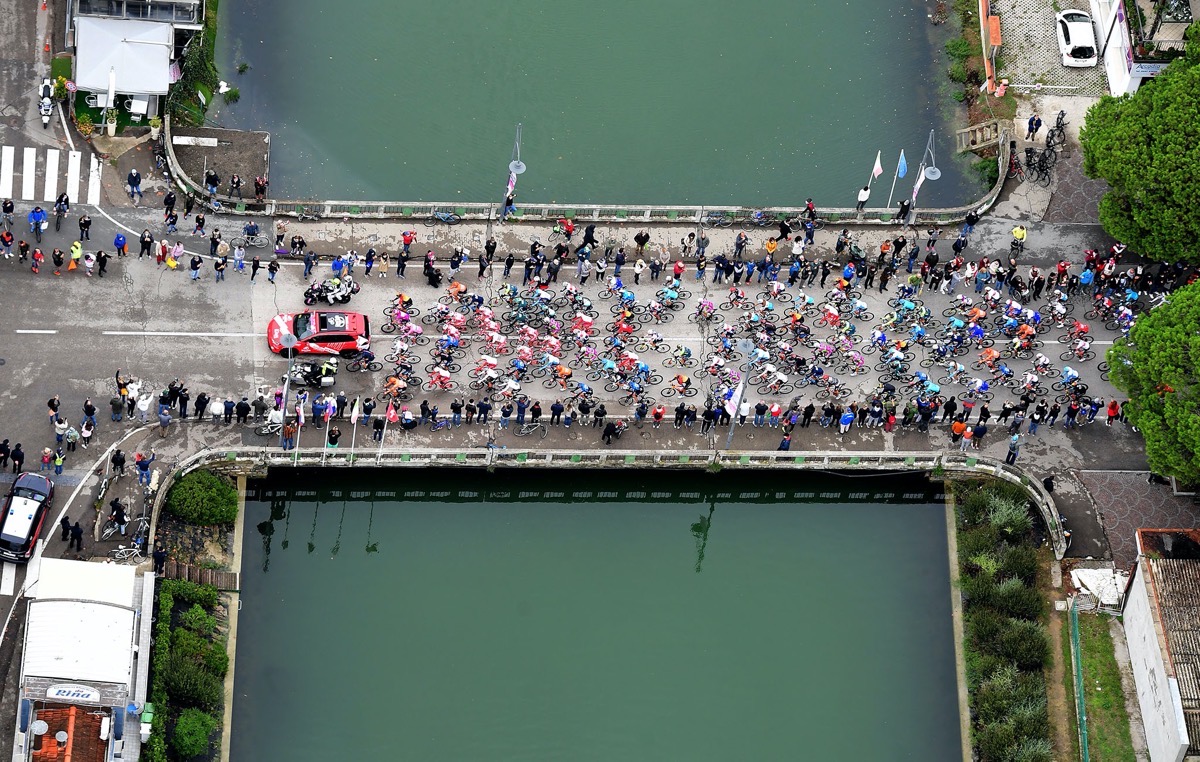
pixel 210 547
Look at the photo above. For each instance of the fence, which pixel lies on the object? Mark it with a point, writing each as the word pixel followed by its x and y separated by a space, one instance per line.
pixel 1077 662
pixel 249 459
pixel 609 213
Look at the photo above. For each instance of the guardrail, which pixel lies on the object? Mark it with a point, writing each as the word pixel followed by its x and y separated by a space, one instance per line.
pixel 608 213
pixel 259 458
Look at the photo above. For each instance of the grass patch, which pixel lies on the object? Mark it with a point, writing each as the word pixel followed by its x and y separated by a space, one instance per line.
pixel 1068 679
pixel 1108 722
pixel 60 67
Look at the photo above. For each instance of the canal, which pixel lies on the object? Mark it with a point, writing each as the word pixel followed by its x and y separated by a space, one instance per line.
pixel 455 615
pixel 763 102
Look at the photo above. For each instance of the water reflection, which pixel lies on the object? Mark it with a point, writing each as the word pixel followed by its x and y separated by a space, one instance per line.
pixel 700 532
pixel 372 547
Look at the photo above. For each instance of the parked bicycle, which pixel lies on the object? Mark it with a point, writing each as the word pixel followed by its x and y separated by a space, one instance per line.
pixel 436 216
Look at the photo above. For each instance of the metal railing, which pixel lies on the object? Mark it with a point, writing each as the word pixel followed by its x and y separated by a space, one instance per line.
pixel 609 213
pixel 257 458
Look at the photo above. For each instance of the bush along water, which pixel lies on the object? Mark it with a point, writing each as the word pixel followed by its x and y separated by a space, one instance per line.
pixel 204 499
pixel 1006 644
pixel 187 672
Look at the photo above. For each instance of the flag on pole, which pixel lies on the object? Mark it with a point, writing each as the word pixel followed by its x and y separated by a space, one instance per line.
pixel 299 414
pixel 328 413
pixel 917 187
pixel 902 167
pixel 354 411
pixel 878 169
pixel 391 415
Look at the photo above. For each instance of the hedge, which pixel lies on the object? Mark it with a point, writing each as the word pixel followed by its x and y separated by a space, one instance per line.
pixel 192 731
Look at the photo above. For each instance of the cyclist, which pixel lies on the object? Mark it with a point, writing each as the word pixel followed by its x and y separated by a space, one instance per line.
pixel 976 332
pixel 1041 363
pixel 1029 381
pixel 956 371
pixel 1019 234
pixel 643 370
pixel 36 217
pixel 681 383
pixel 1081 345
pixel 878 338
pixel 566 227
pixel 682 353
pixel 917 333
pixel 250 229
pixel 1002 372
pixel 62 205
pixel 988 357
pixel 816 374
pixel 563 374
pixel 395 386
pixel 978 386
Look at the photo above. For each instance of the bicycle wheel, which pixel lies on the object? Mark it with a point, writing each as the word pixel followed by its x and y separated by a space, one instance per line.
pixel 238 241
pixel 109 529
pixel 431 220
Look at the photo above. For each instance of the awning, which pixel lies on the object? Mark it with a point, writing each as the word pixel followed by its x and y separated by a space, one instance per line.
pixel 138 51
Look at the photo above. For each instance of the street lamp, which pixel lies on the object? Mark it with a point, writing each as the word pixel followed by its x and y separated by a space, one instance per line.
pixel 745 346
pixel 289 343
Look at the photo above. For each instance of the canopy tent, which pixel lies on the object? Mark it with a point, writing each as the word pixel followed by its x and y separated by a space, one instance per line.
pixel 139 52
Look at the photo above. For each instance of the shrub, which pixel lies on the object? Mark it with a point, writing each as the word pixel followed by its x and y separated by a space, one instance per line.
pixel 973 508
pixel 1013 599
pixel 986 563
pixel 204 499
pixel 233 95
pixel 216 659
pixel 978 592
pixel 973 542
pixel 1024 643
pixel 988 171
pixel 983 627
pixel 188 644
pixel 1033 750
pixel 1030 719
pixel 1019 562
pixel 191 685
pixel 198 620
pixel 155 749
pixel 1010 517
pixel 994 741
pixel 192 731
pixel 958 48
pixel 84 124
pixel 981 667
pixel 957 72
pixel 190 592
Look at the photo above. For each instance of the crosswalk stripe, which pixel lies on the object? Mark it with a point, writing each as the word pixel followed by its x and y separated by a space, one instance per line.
pixel 7 156
pixel 74 159
pixel 8 579
pixel 93 194
pixel 51 175
pixel 29 174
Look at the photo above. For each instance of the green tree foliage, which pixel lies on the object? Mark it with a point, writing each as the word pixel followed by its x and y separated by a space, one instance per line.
pixel 204 499
pixel 1147 147
pixel 192 731
pixel 1157 368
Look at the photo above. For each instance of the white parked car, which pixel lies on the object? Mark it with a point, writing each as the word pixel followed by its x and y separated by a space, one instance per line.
pixel 1076 38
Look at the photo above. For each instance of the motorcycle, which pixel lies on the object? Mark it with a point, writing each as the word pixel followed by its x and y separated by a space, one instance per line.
pixel 332 290
pixel 45 102
pixel 317 375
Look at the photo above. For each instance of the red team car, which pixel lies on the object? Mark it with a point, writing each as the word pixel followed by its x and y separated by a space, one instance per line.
pixel 320 333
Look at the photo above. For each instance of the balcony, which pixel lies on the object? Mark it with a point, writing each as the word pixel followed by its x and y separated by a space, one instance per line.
pixel 184 12
pixel 1156 31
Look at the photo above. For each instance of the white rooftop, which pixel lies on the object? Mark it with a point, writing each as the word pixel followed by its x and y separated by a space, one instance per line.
pixel 89 637
pixel 139 52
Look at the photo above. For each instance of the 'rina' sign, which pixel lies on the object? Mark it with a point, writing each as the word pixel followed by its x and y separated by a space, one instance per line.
pixel 73 692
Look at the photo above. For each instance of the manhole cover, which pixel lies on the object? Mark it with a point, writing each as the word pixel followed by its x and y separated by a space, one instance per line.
pixel 2 361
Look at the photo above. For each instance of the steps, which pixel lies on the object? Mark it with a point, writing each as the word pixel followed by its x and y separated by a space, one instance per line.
pixel 978 136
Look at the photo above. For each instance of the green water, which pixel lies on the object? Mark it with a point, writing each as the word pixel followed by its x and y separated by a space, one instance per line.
pixel 697 624
pixel 762 102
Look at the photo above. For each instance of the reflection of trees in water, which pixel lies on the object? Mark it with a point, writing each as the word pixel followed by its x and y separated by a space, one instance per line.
pixel 700 532
pixel 312 535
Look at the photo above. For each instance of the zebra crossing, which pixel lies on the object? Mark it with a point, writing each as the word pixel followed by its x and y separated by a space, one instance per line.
pixel 46 165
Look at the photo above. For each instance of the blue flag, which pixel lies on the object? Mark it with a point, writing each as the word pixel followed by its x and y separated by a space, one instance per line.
pixel 902 167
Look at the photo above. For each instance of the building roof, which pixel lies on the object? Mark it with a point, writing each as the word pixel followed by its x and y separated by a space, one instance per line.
pixel 139 52
pixel 81 603
pixel 82 726
pixel 1177 599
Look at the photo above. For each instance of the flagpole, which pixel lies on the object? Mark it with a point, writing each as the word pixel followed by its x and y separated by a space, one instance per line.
pixel 354 423
pixel 895 176
pixel 387 413
pixel 876 165
pixel 325 443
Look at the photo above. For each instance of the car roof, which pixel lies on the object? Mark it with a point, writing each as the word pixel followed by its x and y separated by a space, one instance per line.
pixel 1073 16
pixel 19 518
pixel 34 482
pixel 340 321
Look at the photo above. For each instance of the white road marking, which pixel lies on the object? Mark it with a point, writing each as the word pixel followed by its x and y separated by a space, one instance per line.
pixel 8 579
pixel 34 330
pixel 29 174
pixel 7 157
pixel 181 333
pixel 93 195
pixel 74 160
pixel 51 175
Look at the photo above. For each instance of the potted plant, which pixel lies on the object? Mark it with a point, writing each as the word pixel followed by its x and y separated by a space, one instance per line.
pixel 112 122
pixel 155 127
pixel 84 124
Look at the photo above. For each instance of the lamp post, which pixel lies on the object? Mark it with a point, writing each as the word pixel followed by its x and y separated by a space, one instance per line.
pixel 289 343
pixel 745 346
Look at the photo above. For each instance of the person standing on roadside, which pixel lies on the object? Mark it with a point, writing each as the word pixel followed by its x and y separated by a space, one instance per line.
pixel 85 227
pixel 272 269
pixel 1035 124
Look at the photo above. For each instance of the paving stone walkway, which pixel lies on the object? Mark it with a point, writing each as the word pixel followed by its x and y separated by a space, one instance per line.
pixel 1030 49
pixel 1076 197
pixel 1127 503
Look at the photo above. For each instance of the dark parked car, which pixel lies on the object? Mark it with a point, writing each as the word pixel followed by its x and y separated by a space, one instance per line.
pixel 25 511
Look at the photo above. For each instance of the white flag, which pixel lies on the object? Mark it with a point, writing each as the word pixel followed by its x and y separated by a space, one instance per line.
pixel 878 170
pixel 917 187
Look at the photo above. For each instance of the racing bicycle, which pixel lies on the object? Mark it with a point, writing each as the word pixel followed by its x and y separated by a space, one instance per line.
pixel 436 216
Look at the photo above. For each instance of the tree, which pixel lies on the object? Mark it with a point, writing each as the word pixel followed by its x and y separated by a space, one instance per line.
pixel 1157 368
pixel 1147 147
